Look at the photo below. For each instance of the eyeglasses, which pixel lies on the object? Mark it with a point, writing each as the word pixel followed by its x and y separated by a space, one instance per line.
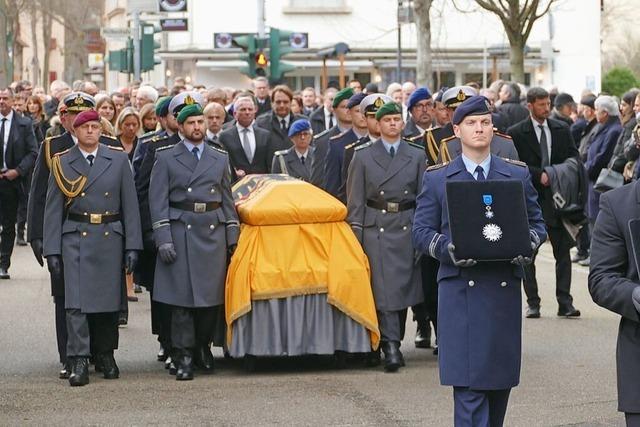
pixel 423 106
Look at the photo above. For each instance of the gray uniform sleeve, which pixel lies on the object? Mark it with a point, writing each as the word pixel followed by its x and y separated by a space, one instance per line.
pixel 159 201
pixel 356 195
pixel 228 207
pixel 53 211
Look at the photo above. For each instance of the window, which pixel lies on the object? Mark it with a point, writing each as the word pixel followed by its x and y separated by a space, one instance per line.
pixel 314 6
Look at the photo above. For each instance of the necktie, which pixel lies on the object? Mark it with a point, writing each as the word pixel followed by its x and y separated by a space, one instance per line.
pixel 283 124
pixel 302 159
pixel 330 121
pixel 214 138
pixel 246 146
pixel 195 151
pixel 480 173
pixel 392 151
pixel 2 123
pixel 90 158
pixel 544 148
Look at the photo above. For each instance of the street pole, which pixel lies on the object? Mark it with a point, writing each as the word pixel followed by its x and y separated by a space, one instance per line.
pixel 136 45
pixel 399 51
pixel 261 28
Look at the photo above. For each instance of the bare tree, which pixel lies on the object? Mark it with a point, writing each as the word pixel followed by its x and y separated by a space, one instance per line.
pixel 47 21
pixel 517 17
pixel 9 14
pixel 424 70
pixel 35 61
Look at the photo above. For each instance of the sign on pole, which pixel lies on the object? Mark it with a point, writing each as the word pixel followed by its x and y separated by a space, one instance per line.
pixel 116 33
pixel 178 24
pixel 173 5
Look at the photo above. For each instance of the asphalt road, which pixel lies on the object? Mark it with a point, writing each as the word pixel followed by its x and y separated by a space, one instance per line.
pixel 568 374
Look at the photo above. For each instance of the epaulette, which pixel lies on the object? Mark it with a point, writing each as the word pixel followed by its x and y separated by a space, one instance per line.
pixel 516 162
pixel 218 149
pixel 365 145
pixel 447 139
pixel 280 153
pixel 432 128
pixel 156 138
pixel 338 135
pixel 321 134
pixel 503 135
pixel 104 135
pixel 350 146
pixel 436 167
pixel 60 153
pixel 166 147
pixel 148 134
pixel 414 145
pixel 415 138
pixel 115 148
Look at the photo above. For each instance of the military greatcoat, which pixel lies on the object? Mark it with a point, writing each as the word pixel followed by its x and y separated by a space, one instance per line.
pixel 201 239
pixel 375 177
pixel 93 254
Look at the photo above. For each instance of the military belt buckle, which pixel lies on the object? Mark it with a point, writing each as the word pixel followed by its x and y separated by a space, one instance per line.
pixel 199 207
pixel 393 207
pixel 95 218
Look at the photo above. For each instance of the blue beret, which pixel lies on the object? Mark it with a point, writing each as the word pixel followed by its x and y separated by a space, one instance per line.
pixel 418 95
pixel 298 126
pixel 473 106
pixel 356 99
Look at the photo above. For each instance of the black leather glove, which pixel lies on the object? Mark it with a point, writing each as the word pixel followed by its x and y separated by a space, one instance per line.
pixel 232 249
pixel 521 261
pixel 459 262
pixel 167 253
pixel 36 247
pixel 130 261
pixel 54 264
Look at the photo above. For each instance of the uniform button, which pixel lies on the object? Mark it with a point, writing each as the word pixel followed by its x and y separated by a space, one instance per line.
pixel 188 226
pixel 84 233
pixel 472 283
pixel 503 284
pixel 381 230
pixel 86 213
pixel 382 192
pixel 106 194
pixel 213 190
pixel 106 233
pixel 106 212
pixel 211 227
pixel 406 192
pixel 384 211
pixel 189 190
pixel 82 194
pixel 404 228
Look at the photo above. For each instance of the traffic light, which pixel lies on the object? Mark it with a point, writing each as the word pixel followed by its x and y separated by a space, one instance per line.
pixel 122 59
pixel 248 44
pixel 261 64
pixel 279 45
pixel 148 47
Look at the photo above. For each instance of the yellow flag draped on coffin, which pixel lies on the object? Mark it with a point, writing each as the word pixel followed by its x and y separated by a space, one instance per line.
pixel 294 241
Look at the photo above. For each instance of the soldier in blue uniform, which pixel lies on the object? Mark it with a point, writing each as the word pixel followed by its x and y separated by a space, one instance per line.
pixel 166 129
pixel 479 312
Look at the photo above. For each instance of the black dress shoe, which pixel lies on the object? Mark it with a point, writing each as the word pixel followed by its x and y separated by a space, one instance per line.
pixel 392 356
pixel 173 367
pixel 4 274
pixel 423 335
pixel 203 359
pixel 185 367
pixel 569 311
pixel 97 363
pixel 65 372
pixel 162 354
pixel 123 319
pixel 533 312
pixel 79 371
pixel 110 370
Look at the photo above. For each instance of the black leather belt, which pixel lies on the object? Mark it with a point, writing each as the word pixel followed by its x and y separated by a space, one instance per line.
pixel 94 218
pixel 392 207
pixel 195 207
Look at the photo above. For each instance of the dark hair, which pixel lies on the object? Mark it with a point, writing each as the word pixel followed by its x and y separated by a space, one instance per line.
pixel 36 100
pixel 283 89
pixel 536 93
pixel 630 96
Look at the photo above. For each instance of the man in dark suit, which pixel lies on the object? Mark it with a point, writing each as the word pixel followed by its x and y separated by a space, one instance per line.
pixel 309 101
pixel 323 118
pixel 542 142
pixel 613 283
pixel 261 91
pixel 247 144
pixel 278 120
pixel 18 151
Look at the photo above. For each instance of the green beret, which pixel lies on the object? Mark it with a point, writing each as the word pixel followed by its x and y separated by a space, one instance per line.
pixel 188 111
pixel 343 95
pixel 162 106
pixel 388 108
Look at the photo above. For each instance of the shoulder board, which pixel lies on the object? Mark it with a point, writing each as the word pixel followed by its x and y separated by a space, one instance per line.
pixel 338 135
pixel 156 138
pixel 166 147
pixel 432 128
pixel 516 162
pixel 111 147
pixel 414 145
pixel 218 149
pixel 62 152
pixel 415 138
pixel 365 145
pixel 447 139
pixel 280 153
pixel 148 134
pixel 350 146
pixel 321 133
pixel 108 136
pixel 504 135
pixel 436 167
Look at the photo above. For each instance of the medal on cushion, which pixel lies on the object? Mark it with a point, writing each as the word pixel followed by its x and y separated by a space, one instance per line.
pixel 491 232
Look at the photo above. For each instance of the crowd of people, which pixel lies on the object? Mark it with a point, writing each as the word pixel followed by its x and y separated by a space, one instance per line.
pixel 367 148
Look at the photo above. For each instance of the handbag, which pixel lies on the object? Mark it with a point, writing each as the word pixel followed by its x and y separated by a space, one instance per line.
pixel 608 180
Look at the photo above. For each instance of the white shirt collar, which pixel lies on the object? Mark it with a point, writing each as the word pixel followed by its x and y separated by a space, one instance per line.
pixel 86 153
pixel 240 127
pixel 536 124
pixel 9 116
pixel 210 134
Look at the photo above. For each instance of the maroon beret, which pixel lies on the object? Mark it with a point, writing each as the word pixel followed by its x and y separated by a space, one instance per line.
pixel 86 116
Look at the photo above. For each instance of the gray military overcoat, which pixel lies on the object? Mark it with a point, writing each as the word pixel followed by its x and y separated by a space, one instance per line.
pixel 290 159
pixel 386 236
pixel 93 254
pixel 197 277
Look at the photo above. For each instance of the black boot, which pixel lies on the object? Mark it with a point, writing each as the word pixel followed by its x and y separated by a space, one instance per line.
pixel 423 334
pixel 65 372
pixel 110 370
pixel 204 359
pixel 392 356
pixel 79 371
pixel 20 235
pixel 185 366
pixel 372 359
